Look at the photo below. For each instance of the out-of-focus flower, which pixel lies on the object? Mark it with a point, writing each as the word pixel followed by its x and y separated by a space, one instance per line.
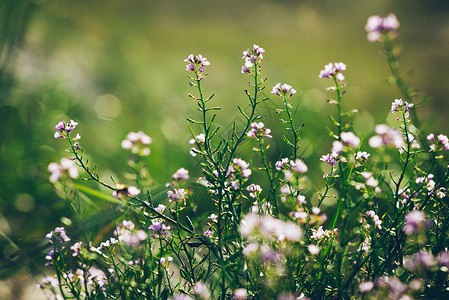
pixel 350 139
pixel 366 286
pixel 298 166
pixel 378 25
pixel 269 227
pixel 386 136
pixel 201 291
pixel 137 142
pixel 240 294
pixel 370 181
pixel 414 221
pixel 181 174
pixel 66 166
pixel 127 234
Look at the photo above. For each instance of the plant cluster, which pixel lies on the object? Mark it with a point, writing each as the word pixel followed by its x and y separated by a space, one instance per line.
pixel 374 227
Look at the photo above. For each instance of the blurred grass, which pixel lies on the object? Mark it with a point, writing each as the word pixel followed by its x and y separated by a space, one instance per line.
pixel 117 66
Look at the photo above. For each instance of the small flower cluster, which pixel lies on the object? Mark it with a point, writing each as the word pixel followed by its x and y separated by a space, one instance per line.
pixel 378 25
pixel 374 219
pixel 441 142
pixel 252 57
pixel 56 238
pixel 331 158
pixel 333 70
pixel 386 136
pixel 258 130
pixel 64 128
pixel 177 194
pixel 284 90
pixel 254 190
pixel 238 172
pixel 159 229
pixel 137 142
pixel 195 63
pixel 199 141
pixel 181 175
pixel 320 233
pixel 400 105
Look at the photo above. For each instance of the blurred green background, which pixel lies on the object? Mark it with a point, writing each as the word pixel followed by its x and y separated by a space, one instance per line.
pixel 117 66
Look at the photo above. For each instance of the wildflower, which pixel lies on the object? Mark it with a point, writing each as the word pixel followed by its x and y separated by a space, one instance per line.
pixel 159 228
pixel 213 218
pixel 181 174
pixel 177 194
pixel 441 142
pixel 160 208
pixel 400 105
pixel 252 57
pixel 333 71
pixel 284 90
pixel 165 261
pixel 75 247
pixel 331 158
pixel 282 164
pixel 374 218
pixel 57 236
pixel 208 233
pixel 199 139
pixel 254 190
pixel 258 130
pixel 196 63
pixel 362 155
pixel 137 142
pixel 386 136
pixel 238 170
pixel 377 25
pixel 63 129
